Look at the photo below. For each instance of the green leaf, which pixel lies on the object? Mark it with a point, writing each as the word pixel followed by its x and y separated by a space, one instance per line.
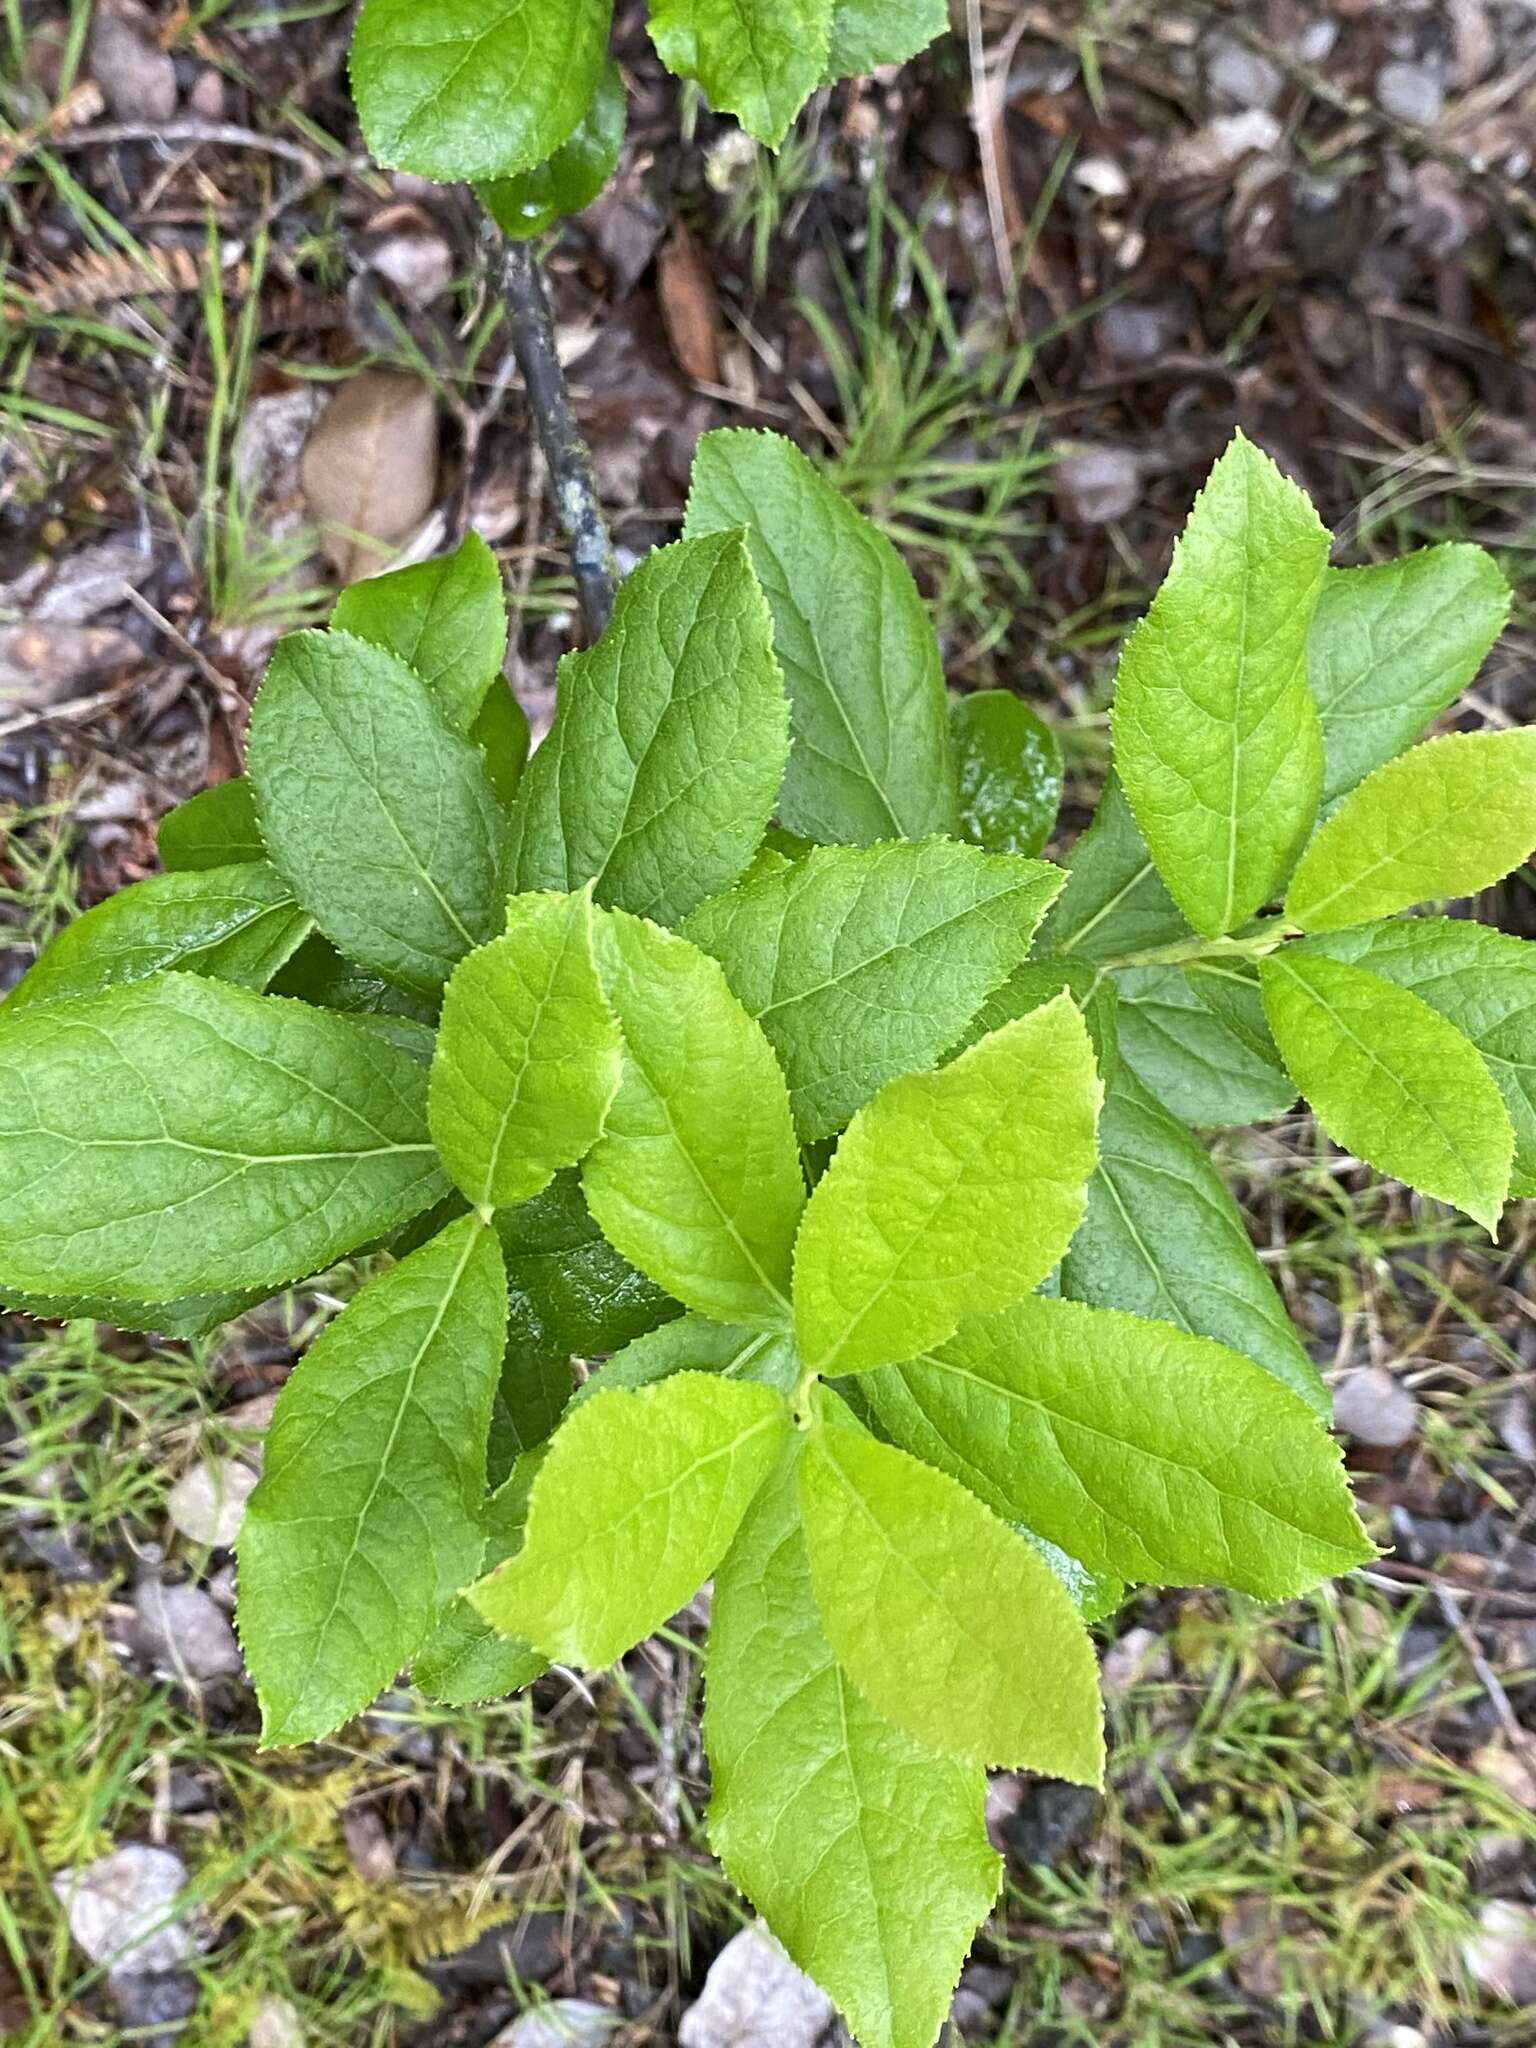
pixel 1176 1027
pixel 668 746
pixel 757 59
pixel 696 1177
pixel 950 1193
pixel 695 1344
pixel 871 729
pixel 1444 820
pixel 949 1622
pixel 862 963
pixel 236 923
pixel 1216 735
pixel 1480 980
pixel 635 1504
pixel 571 1293
pixel 1009 770
pixel 276 1136
pixel 866 1854
pixel 1163 1237
pixel 501 733
pixel 532 1393
pixel 464 1661
pixel 528 1054
pixel 868 34
pixel 318 974
pixel 381 819
pixel 1095 1595
pixel 1034 983
pixel 1114 901
pixel 455 89
pixel 213 829
pixel 367 1519
pixel 1390 1079
pixel 196 1316
pixel 445 619
pixel 1146 1452
pixel 1391 646
pixel 573 176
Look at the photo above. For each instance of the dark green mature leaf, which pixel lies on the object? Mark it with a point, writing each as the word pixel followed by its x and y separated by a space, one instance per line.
pixel 668 746
pixel 949 1193
pixel 367 1519
pixel 1444 820
pixel 532 1394
pixel 213 829
pixel 862 963
pixel 1480 980
pixel 570 179
pixel 757 59
pixel 464 1661
pixel 697 1175
pixel 276 1136
pixel 501 732
pixel 1095 1595
pixel 457 89
pixel 1391 646
pixel 318 974
pixel 866 1853
pixel 867 34
pixel 634 1505
pixel 381 819
pixel 1390 1079
pixel 236 923
pixel 1217 739
pixel 870 721
pixel 571 1293
pixel 446 619
pixel 1163 1237
pixel 1140 1449
pixel 1199 1043
pixel 696 1344
pixel 528 1054
pixel 197 1316
pixel 1114 901
pixel 1009 771
pixel 948 1621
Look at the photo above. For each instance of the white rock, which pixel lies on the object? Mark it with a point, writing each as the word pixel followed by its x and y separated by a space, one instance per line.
pixel 1374 1408
pixel 563 2023
pixel 185 1631
pixel 1238 73
pixel 1502 1955
pixel 208 1501
pixel 276 2025
pixel 754 1997
pixel 1096 485
pixel 119 1910
pixel 1411 93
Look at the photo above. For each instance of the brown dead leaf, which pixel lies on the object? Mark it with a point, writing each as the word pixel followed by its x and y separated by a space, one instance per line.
pixel 689 307
pixel 369 469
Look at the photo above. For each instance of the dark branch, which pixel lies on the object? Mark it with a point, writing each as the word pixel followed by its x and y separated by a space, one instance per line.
pixel 566 453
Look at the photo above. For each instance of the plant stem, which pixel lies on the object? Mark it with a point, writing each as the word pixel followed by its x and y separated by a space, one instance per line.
pixel 566 454
pixel 1272 933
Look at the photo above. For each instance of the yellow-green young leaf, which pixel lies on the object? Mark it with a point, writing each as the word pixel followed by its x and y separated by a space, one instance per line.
pixel 236 923
pixel 871 740
pixel 1390 1079
pixel 668 746
pixel 381 819
pixel 213 829
pixel 862 963
pixel 1391 646
pixel 757 59
pixel 1482 981
pixel 1216 735
pixel 1009 771
pixel 1444 820
pixel 464 1661
pixel 368 1516
pixel 446 620
pixel 696 1177
pixel 695 1344
pixel 948 1621
pixel 635 1504
pixel 457 89
pixel 1114 901
pixel 1163 1237
pixel 1143 1451
pixel 570 179
pixel 181 1136
pixel 866 1854
pixel 949 1194
pixel 867 34
pixel 528 1054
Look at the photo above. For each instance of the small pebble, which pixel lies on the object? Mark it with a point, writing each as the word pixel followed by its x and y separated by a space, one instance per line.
pixel 207 1503
pixel 1501 1956
pixel 276 2025
pixel 1374 1408
pixel 118 1910
pixel 185 1632
pixel 1411 93
pixel 1094 486
pixel 1236 73
pixel 137 77
pixel 563 2023
pixel 754 1997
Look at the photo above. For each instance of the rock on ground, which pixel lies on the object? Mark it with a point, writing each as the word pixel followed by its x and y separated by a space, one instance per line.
pixel 120 1908
pixel 1374 1408
pixel 207 1503
pixel 564 2023
pixel 754 1997
pixel 185 1632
